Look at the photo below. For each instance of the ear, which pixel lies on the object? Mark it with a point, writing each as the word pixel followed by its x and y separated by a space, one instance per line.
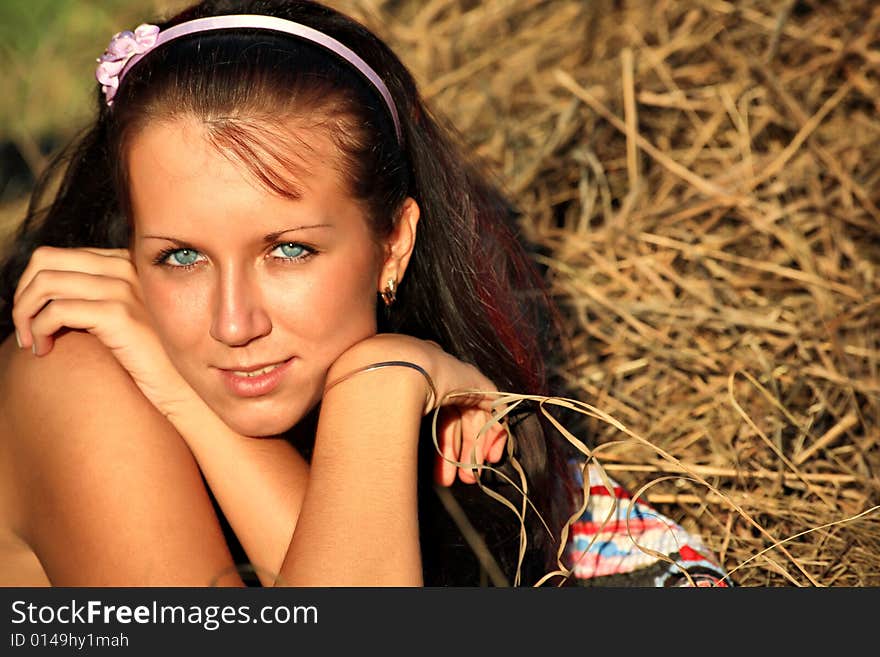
pixel 399 246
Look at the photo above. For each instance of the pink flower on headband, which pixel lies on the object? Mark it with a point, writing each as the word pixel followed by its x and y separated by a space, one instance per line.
pixel 123 46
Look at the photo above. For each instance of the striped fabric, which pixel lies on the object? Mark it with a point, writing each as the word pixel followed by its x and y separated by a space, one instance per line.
pixel 602 549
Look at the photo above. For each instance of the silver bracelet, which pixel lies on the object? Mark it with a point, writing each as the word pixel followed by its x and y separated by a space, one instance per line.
pixel 388 363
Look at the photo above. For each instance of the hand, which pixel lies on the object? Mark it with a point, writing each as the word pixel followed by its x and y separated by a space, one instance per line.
pixel 95 290
pixel 463 410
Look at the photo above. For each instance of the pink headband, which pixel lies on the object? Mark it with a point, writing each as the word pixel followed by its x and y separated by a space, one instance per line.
pixel 127 48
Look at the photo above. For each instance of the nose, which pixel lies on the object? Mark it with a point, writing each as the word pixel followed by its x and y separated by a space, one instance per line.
pixel 239 313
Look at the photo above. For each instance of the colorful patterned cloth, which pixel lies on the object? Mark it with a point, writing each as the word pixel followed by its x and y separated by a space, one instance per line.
pixel 602 549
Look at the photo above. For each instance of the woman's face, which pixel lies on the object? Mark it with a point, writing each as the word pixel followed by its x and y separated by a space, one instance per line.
pixel 254 295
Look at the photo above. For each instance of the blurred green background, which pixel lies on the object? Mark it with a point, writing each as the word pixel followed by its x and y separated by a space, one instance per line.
pixel 47 58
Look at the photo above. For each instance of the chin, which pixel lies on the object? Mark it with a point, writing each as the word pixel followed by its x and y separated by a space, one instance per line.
pixel 263 418
pixel 259 427
pixel 266 416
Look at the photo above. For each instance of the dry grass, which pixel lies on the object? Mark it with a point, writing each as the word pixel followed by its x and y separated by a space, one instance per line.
pixel 703 176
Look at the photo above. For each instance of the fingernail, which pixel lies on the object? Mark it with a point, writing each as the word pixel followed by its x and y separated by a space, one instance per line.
pixel 34 348
pixel 17 339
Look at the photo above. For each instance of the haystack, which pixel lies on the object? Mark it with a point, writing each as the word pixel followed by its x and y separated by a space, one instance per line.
pixel 703 177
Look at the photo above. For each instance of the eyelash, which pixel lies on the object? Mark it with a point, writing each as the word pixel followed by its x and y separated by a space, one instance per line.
pixel 162 257
pixel 309 252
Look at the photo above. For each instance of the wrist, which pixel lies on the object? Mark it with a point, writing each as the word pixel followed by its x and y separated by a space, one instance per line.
pixel 393 354
pixel 431 390
pixel 181 405
pixel 400 383
pixel 375 412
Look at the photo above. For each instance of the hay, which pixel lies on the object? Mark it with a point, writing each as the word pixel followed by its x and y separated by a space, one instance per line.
pixel 702 177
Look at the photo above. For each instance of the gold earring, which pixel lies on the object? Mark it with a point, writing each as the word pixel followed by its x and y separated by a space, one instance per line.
pixel 389 294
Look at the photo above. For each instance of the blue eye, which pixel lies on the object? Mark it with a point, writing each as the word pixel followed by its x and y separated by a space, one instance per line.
pixel 291 251
pixel 182 257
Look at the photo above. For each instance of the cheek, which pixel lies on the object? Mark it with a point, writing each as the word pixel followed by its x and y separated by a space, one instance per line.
pixel 332 308
pixel 178 309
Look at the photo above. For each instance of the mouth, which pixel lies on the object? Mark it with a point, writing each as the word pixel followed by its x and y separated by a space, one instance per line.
pixel 254 380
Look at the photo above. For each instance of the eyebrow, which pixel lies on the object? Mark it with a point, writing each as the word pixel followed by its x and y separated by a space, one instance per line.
pixel 269 238
pixel 273 237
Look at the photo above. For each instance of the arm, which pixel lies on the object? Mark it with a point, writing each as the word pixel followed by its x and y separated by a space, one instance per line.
pixel 101 486
pixel 363 470
pixel 261 485
pixel 364 466
pixel 358 524
pixel 258 483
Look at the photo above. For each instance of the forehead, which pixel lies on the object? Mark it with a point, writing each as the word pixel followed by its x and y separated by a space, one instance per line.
pixel 280 156
pixel 185 170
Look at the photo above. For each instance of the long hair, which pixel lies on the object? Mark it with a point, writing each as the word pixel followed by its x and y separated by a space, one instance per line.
pixel 472 285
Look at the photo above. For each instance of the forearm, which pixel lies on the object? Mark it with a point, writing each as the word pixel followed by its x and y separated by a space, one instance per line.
pixel 259 483
pixel 359 520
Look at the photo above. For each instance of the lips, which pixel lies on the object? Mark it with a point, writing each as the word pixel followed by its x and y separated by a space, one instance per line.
pixel 254 380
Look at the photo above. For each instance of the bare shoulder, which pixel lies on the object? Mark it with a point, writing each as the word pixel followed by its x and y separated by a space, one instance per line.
pixel 96 481
pixel 78 368
pixel 75 396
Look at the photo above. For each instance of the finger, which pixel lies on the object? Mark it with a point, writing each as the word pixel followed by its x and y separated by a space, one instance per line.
pixel 72 260
pixel 449 436
pixel 496 445
pixel 499 414
pixel 473 444
pixel 125 254
pixel 499 442
pixel 49 285
pixel 493 432
pixel 493 440
pixel 82 314
pixel 95 261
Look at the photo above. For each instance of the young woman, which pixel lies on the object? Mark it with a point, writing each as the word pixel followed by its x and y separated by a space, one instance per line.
pixel 265 272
